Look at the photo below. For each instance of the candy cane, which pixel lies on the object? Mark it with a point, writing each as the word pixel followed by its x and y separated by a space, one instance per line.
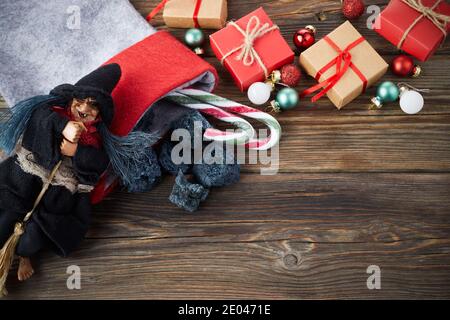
pixel 235 107
pixel 237 136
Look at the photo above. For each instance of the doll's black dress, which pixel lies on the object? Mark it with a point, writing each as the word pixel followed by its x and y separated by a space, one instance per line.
pixel 62 217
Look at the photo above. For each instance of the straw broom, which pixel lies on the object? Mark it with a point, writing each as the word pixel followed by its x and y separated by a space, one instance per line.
pixel 9 248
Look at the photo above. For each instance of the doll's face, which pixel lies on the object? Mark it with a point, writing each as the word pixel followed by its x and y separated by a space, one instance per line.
pixel 84 110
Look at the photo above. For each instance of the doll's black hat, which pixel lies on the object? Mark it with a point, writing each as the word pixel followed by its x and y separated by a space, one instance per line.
pixel 99 85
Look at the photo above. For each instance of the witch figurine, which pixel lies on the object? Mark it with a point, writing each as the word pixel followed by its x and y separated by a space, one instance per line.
pixel 60 146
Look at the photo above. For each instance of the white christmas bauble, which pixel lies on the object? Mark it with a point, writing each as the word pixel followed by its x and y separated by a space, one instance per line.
pixel 259 93
pixel 411 102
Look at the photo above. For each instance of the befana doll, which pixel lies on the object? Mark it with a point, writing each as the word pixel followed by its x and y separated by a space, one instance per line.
pixel 60 146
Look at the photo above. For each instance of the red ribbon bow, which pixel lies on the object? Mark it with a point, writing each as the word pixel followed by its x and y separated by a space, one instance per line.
pixel 344 57
pixel 161 5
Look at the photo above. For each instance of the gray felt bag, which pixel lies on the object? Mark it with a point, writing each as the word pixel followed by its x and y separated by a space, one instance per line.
pixel 46 43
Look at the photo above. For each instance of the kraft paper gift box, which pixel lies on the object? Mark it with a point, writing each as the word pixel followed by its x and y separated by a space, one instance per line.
pixel 365 65
pixel 207 14
pixel 424 36
pixel 270 47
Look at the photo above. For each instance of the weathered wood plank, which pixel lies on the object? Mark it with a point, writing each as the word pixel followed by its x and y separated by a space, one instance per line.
pixel 292 236
pixel 143 268
pixel 309 207
pixel 356 139
pixel 348 142
pixel 359 145
pixel 155 269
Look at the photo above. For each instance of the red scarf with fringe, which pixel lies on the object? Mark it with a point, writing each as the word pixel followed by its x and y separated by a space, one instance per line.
pixel 91 137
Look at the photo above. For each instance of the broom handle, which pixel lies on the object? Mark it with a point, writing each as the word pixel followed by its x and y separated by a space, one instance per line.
pixel 43 190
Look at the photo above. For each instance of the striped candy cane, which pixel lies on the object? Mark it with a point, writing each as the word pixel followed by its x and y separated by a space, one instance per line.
pixel 237 136
pixel 235 107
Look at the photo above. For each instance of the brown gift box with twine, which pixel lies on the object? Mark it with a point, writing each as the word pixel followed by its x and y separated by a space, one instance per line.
pixel 344 63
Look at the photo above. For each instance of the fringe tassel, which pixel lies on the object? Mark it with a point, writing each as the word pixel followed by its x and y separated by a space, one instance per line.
pixel 130 156
pixel 11 130
pixel 7 256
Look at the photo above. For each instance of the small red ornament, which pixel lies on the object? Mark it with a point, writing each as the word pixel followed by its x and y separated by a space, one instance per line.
pixel 290 75
pixel 305 37
pixel 403 66
pixel 352 9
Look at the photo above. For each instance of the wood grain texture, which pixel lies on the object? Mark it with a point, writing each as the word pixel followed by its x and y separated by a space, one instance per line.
pixel 354 188
pixel 296 236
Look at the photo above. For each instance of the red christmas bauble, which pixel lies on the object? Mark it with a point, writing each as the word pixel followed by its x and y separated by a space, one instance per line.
pixel 304 38
pixel 290 75
pixel 403 66
pixel 352 9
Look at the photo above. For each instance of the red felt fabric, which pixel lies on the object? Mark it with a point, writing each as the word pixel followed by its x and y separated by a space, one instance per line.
pixel 151 68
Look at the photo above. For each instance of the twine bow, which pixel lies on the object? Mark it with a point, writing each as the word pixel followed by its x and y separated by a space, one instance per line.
pixel 439 20
pixel 252 32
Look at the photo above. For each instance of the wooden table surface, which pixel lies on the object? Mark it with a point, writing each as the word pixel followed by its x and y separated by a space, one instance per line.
pixel 355 188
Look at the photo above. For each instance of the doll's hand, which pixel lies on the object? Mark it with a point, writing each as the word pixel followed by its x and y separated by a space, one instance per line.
pixel 68 148
pixel 73 130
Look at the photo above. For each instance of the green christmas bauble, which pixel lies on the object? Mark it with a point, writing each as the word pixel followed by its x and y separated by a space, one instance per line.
pixel 194 37
pixel 387 92
pixel 287 98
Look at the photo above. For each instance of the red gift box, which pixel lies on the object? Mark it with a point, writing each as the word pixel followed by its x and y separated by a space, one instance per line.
pixel 424 36
pixel 270 50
